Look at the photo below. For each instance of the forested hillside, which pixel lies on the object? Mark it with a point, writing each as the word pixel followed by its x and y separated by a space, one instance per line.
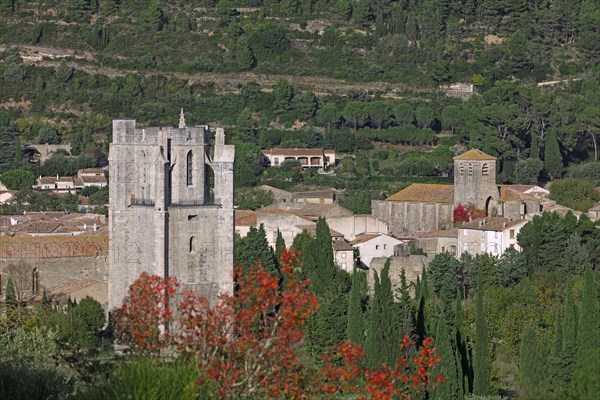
pixel 367 78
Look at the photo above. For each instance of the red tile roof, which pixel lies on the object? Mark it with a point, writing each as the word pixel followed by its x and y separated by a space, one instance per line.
pixel 426 193
pixel 312 230
pixel 293 152
pixel 474 154
pixel 491 224
pixel 245 218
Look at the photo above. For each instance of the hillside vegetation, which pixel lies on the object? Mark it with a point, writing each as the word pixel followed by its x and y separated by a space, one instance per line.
pixel 367 78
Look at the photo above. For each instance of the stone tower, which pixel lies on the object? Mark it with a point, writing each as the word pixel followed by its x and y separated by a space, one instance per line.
pixel 475 181
pixel 164 218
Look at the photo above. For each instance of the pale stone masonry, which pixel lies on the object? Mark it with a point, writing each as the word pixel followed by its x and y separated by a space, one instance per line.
pixel 164 219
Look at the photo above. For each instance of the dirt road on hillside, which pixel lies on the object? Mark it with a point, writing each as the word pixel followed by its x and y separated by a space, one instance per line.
pixel 225 82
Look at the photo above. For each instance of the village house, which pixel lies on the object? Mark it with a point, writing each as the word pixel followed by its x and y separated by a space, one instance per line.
pixel 492 235
pixel 67 184
pixel 371 245
pixel 308 158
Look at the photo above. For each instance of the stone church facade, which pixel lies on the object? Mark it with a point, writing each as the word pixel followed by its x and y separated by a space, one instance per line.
pixel 164 217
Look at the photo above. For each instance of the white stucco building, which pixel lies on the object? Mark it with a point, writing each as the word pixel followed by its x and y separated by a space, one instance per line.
pixel 374 245
pixel 493 235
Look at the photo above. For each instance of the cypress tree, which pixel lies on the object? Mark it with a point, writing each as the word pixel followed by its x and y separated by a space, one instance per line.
pixel 553 162
pixel 529 366
pixel 586 380
pixel 569 336
pixel 481 364
pixel 382 341
pixel 534 151
pixel 421 324
pixel 355 327
pixel 11 296
pixel 279 245
pixel 405 307
pixel 448 367
pixel 461 347
pixel 257 249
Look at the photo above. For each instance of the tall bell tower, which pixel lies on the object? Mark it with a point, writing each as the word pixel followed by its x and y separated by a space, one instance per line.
pixel 164 217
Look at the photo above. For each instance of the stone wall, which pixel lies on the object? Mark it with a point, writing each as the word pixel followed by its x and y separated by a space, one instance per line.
pixel 403 216
pixel 412 265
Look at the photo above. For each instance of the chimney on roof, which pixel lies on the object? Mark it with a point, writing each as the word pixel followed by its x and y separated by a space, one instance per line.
pixel 95 227
pixel 84 227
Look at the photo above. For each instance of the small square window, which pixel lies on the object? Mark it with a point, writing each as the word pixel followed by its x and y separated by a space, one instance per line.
pixel 512 233
pixel 376 247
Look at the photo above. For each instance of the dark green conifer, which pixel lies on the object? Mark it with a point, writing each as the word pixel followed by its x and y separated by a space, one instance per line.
pixel 553 162
pixel 356 322
pixel 461 347
pixel 448 367
pixel 11 296
pixel 481 364
pixel 586 379
pixel 382 342
pixel 530 366
pixel 279 245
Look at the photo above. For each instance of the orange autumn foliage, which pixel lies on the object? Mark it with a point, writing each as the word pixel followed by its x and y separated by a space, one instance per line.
pixel 247 344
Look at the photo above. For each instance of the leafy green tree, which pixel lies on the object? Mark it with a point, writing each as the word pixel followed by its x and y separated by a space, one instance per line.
pixel 379 112
pixel 404 114
pixel 92 315
pixel 243 55
pixel 153 17
pixel 47 134
pixel 63 73
pixel 481 361
pixel 253 198
pixel 382 340
pixel 17 179
pixel 328 115
pixel 553 162
pixel 353 112
pixel 247 164
pixel 527 171
pixel 283 93
pixel 9 146
pixel 512 267
pixel 451 117
pixel 14 73
pixel 424 116
pixel 574 193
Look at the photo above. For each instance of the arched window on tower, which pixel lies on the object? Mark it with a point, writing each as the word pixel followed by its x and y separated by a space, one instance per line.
pixel 192 244
pixel 462 169
pixel 485 169
pixel 190 163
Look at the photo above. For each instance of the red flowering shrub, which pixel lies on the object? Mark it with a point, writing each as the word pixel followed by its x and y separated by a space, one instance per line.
pixel 140 322
pixel 404 380
pixel 465 214
pixel 247 343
